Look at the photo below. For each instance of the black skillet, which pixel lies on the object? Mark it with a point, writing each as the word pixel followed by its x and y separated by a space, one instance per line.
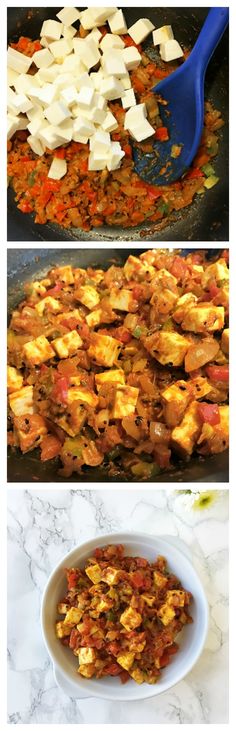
pixel 27 264
pixel 207 218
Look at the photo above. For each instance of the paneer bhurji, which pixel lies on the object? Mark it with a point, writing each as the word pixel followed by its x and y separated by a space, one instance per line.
pixel 122 615
pixel 127 368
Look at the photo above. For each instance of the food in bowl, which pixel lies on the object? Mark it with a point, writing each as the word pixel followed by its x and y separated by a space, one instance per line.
pixel 125 369
pixel 71 122
pixel 122 615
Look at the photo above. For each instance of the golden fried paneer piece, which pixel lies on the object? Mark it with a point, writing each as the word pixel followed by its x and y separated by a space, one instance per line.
pixel 225 341
pixel 94 572
pixel 67 345
pixel 137 675
pixel 159 580
pixel 166 613
pixel 203 317
pixel 136 269
pixel 149 599
pixel 116 375
pixel 87 670
pixel 175 597
pixel 111 575
pixel 82 394
pixel 104 349
pixel 184 437
pixel 215 439
pixel 63 274
pixel 169 348
pixel 88 295
pixel 37 351
pixel 21 401
pixel 48 303
pixel 175 399
pixel 87 655
pixel 182 306
pixel 63 608
pixel 217 271
pixel 73 616
pixel 126 660
pixel 121 299
pixel 14 379
pixel 130 619
pixel 125 401
pixel 62 630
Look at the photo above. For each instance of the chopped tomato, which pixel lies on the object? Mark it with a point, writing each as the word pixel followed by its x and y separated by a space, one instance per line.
pixel 112 669
pixel 127 150
pixel 123 334
pixel 72 576
pixel 74 635
pixel 209 413
pixel 137 579
pixel 194 173
pixel 213 290
pixel 59 392
pixel 54 290
pixel 60 153
pixel 218 373
pixel 25 207
pixel 179 267
pixel 162 134
pixel 50 447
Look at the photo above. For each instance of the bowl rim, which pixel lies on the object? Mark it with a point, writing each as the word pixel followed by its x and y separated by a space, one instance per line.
pixel 82 685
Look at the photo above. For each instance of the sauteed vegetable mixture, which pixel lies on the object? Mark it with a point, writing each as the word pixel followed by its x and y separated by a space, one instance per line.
pixel 122 615
pixel 85 196
pixel 125 368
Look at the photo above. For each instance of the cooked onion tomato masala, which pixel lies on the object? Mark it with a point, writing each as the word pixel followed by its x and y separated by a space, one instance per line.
pixel 74 111
pixel 126 368
pixel 122 615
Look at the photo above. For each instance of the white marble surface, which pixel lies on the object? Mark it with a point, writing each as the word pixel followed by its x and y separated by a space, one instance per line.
pixel 44 525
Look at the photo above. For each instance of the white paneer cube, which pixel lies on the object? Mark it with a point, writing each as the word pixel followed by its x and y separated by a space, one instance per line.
pixel 12 125
pixel 19 102
pixel 111 40
pixel 57 169
pixel 35 125
pixel 117 23
pixel 67 16
pixel 87 50
pixel 110 123
pixel 68 31
pixel 56 113
pixel 100 141
pixel 82 127
pixel 85 97
pixel 170 51
pixel 87 19
pixel 62 81
pixel 135 115
pixel 64 131
pixel 47 94
pixel 67 345
pixel 132 57
pixel 97 161
pixel 12 77
pixel 113 63
pixel 51 29
pixel 83 79
pixel 21 401
pixel 111 88
pixel 162 35
pixel 49 137
pixel 128 100
pixel 140 30
pixel 95 34
pixel 141 131
pixel 18 61
pixel 95 115
pixel 43 58
pixel 115 156
pixel 36 145
pixel 100 15
pixel 61 48
pixel 69 95
pixel 46 75
pixel 96 78
pixel 72 64
pixel 126 81
pixel 125 401
pixel 23 82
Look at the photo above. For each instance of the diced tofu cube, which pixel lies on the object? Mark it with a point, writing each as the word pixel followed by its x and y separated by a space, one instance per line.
pixel 67 345
pixel 62 630
pixel 21 401
pixel 37 351
pixel 169 348
pixel 63 608
pixel 73 616
pixel 126 660
pixel 18 61
pixel 117 23
pixel 14 379
pixel 137 675
pixel 128 100
pixel 162 35
pixel 87 670
pixel 58 169
pixel 159 580
pixel 88 295
pixel 132 57
pixel 185 436
pixel 51 29
pixel 175 399
pixel 111 88
pixel 87 655
pixel 111 576
pixel 203 318
pixel 104 349
pixel 43 58
pixel 225 341
pixel 48 303
pixel 113 376
pixel 94 573
pixel 140 30
pixel 130 619
pixel 121 299
pixel 166 614
pixel 68 16
pixel 110 123
pixel 125 401
pixel 170 51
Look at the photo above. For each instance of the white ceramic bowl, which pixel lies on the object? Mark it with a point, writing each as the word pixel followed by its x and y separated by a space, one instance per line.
pixel 191 640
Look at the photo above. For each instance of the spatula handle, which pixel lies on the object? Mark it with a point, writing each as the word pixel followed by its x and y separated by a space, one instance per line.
pixel 210 35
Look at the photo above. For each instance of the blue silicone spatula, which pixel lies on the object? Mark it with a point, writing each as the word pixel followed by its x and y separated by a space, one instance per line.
pixel 183 115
